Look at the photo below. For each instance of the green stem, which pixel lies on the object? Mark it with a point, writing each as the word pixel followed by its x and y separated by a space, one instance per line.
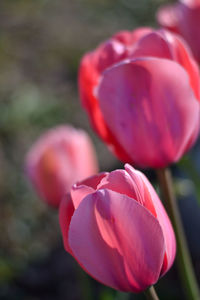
pixel 150 294
pixel 185 267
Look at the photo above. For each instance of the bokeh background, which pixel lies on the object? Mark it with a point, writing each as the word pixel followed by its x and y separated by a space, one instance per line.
pixel 41 43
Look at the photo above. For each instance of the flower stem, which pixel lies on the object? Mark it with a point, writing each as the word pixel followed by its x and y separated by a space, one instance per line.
pixel 185 267
pixel 150 294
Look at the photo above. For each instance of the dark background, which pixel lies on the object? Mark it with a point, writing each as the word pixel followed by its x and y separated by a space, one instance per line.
pixel 41 43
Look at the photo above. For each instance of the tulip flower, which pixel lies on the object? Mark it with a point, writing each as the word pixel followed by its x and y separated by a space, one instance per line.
pixel 183 18
pixel 61 156
pixel 115 226
pixel 145 103
pixel 92 65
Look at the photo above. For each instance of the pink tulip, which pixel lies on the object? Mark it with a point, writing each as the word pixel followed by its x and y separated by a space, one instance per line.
pixel 115 226
pixel 58 159
pixel 145 104
pixel 92 65
pixel 183 18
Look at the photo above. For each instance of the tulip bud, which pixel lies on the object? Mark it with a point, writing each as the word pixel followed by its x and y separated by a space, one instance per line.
pixel 115 226
pixel 59 158
pixel 145 106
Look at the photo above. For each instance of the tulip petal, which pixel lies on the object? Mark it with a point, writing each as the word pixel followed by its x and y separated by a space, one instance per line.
pixel 88 79
pixel 153 122
pixel 152 44
pixel 184 57
pixel 128 184
pixel 109 53
pixel 151 199
pixel 163 44
pixel 92 64
pixel 66 210
pixel 143 196
pixel 164 221
pixel 128 38
pixel 117 241
pixel 120 181
pixel 81 189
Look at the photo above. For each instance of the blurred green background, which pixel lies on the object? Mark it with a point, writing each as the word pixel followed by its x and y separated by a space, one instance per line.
pixel 41 43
